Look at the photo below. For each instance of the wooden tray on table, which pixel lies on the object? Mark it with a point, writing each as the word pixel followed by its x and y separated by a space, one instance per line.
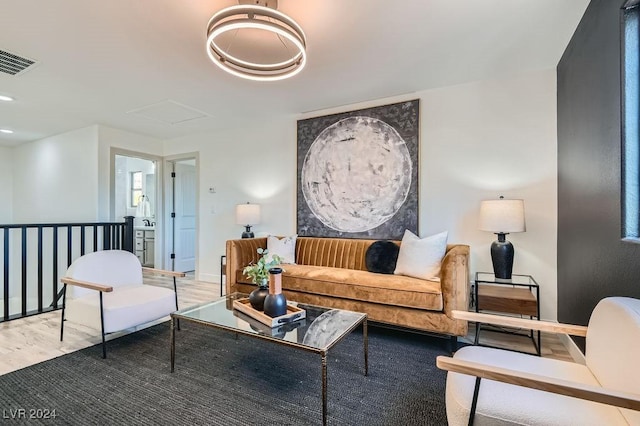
pixel 293 313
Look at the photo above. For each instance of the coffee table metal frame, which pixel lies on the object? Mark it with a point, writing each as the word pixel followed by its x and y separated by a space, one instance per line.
pixel 181 315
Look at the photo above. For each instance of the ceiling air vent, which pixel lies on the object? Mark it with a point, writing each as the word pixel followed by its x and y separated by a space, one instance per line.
pixel 10 63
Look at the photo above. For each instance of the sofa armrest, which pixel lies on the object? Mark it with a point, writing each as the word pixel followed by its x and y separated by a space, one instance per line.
pixel 543 383
pixel 454 279
pixel 240 253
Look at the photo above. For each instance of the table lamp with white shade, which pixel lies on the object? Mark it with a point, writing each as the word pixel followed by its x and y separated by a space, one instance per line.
pixel 247 215
pixel 502 217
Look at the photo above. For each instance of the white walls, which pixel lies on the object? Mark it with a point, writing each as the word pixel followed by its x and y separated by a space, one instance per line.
pixel 115 138
pixel 492 138
pixel 56 179
pixel 478 141
pixel 6 185
pixel 255 163
pixel 65 177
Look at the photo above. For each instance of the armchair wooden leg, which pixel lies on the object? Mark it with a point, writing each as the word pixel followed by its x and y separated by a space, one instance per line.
pixel 104 348
pixel 64 300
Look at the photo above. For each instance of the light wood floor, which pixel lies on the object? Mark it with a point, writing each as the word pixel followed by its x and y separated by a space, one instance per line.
pixel 34 339
pixel 552 346
pixel 31 340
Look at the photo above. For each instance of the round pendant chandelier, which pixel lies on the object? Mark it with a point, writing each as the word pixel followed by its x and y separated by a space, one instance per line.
pixel 256 42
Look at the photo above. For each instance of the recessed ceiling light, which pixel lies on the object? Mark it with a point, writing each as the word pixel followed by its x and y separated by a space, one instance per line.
pixel 6 98
pixel 6 131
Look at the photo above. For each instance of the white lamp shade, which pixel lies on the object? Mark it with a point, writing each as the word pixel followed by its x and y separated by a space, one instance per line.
pixel 502 216
pixel 247 214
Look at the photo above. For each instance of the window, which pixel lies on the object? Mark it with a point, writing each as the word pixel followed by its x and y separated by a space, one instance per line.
pixel 136 188
pixel 630 121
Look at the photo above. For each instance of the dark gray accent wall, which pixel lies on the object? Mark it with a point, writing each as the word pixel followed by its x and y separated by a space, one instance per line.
pixel 593 261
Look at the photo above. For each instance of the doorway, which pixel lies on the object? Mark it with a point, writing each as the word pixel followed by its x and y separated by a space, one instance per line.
pixel 182 212
pixel 135 194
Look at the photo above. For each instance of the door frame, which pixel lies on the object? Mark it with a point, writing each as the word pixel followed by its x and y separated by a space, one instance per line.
pixel 158 261
pixel 167 248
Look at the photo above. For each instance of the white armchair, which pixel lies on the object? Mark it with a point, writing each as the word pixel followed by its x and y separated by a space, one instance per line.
pixel 487 386
pixel 107 293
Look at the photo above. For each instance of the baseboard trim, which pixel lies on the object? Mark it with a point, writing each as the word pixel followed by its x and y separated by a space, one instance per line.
pixel 572 348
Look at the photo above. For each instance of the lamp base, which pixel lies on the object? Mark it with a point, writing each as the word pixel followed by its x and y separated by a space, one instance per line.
pixel 247 232
pixel 502 257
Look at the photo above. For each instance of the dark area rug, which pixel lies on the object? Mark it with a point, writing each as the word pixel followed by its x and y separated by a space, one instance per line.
pixel 219 380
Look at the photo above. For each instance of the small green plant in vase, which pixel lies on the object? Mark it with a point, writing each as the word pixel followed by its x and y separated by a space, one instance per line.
pixel 258 272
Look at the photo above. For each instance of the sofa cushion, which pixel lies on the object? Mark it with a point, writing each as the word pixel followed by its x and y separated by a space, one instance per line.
pixel 421 257
pixel 523 405
pixel 284 247
pixel 381 257
pixel 362 285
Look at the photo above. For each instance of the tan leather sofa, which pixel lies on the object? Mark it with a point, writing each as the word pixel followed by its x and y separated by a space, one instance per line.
pixel 331 272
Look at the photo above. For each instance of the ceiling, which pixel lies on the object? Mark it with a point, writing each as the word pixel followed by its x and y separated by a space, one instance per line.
pixel 99 60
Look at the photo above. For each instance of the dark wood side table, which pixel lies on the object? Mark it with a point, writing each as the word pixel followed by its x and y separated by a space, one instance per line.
pixel 519 295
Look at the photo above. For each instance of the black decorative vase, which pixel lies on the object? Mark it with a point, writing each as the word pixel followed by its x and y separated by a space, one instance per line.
pixel 502 257
pixel 257 296
pixel 275 304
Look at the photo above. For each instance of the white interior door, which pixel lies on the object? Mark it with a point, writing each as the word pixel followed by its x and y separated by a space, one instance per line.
pixel 185 217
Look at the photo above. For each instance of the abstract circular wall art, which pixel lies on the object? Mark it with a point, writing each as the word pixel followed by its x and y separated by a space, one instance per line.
pixel 357 173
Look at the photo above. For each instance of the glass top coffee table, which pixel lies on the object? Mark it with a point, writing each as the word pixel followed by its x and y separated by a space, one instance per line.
pixel 322 329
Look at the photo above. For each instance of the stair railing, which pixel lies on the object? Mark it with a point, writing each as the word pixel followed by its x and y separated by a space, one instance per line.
pixel 33 258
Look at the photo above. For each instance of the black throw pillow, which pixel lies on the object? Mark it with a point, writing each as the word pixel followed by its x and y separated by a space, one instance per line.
pixel 381 257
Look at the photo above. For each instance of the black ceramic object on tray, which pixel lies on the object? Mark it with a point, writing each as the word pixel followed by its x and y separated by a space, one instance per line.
pixel 275 304
pixel 257 296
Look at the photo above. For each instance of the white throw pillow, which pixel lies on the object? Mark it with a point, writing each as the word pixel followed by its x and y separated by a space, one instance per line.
pixel 285 248
pixel 421 258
